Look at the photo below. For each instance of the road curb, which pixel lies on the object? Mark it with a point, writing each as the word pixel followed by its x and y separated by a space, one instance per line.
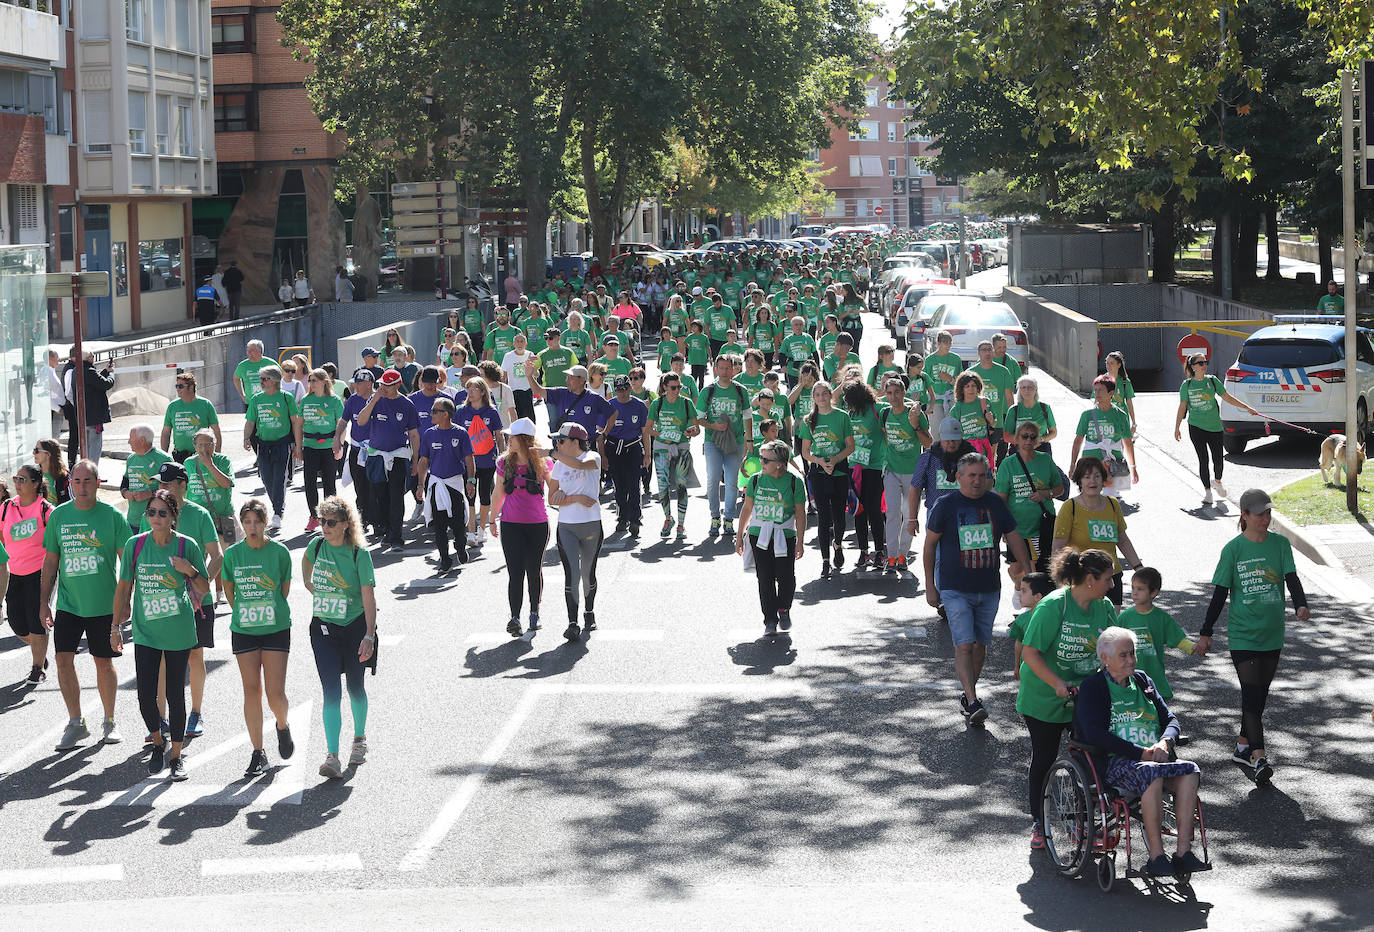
pixel 1310 547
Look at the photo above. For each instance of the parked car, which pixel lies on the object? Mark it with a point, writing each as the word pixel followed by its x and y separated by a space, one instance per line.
pixel 918 305
pixel 1296 371
pixel 971 319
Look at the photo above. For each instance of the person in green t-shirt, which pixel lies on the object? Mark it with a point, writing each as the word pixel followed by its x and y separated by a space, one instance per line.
pixel 999 356
pixel 257 581
pixel 869 456
pixel 1029 481
pixel 1123 396
pixel 827 439
pixel 500 338
pixel 339 576
pixel 184 417
pixel 1155 629
pixel 998 384
pixel 161 579
pixel 140 473
pixel 719 319
pixel 841 355
pixel 672 424
pixel 273 420
pixel 615 363
pixel 943 367
pixel 763 334
pixel 797 347
pixel 732 345
pixel 1058 651
pixel 1029 409
pixel 83 540
pixel 246 372
pixel 887 353
pixel 555 360
pixel 698 351
pixel 320 413
pixel 1332 303
pixel 1199 398
pixel 906 432
pixel 1252 570
pixel 1104 432
pixel 774 519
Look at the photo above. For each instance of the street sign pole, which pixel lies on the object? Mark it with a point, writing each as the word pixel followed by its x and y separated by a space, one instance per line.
pixel 79 372
pixel 1352 390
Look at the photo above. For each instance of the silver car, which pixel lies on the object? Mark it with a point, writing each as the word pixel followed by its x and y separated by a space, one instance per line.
pixel 919 305
pixel 970 320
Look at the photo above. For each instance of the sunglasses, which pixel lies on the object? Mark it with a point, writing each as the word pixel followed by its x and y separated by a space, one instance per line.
pixel 22 479
pixel 331 522
pixel 158 513
pixel 265 379
pixel 39 450
pixel 289 369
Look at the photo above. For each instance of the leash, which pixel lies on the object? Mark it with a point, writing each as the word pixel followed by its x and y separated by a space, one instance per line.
pixel 1305 430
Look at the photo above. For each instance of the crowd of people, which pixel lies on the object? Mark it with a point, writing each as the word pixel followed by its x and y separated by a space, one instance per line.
pixel 792 431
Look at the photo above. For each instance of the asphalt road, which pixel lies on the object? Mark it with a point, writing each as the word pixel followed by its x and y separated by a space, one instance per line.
pixel 676 769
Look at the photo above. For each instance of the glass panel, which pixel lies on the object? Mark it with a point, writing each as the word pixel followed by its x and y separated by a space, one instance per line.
pixel 164 119
pixel 23 354
pixel 138 122
pixel 119 258
pixel 159 264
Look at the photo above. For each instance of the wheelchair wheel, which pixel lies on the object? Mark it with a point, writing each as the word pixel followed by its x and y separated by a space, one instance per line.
pixel 1106 872
pixel 1067 817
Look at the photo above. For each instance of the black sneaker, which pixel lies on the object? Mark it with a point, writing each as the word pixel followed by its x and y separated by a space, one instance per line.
pixel 977 713
pixel 572 632
pixel 445 564
pixel 1159 866
pixel 1263 772
pixel 1241 756
pixel 589 621
pixel 861 562
pixel 176 768
pixel 839 557
pixel 156 759
pixel 879 560
pixel 257 765
pixel 1189 863
pixel 770 629
pixel 825 569
pixel 36 675
pixel 784 620
pixel 534 621
pixel 285 746
pixel 513 628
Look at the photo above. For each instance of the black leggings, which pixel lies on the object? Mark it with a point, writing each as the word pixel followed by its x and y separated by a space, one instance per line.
pixel 871 519
pixel 147 664
pixel 1045 738
pixel 524 402
pixel 523 545
pixel 319 464
pixel 1204 441
pixel 777 579
pixel 831 492
pixel 1255 669
pixel 453 522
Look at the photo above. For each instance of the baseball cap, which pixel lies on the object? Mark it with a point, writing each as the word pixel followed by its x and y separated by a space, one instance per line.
pixel 570 429
pixel 696 290
pixel 369 351
pixel 1255 501
pixel 611 341
pixel 172 472
pixel 391 377
pixel 577 370
pixel 363 375
pixel 523 427
pixel 950 429
pixel 622 383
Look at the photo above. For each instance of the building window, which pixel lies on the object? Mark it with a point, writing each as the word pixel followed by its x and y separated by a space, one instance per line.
pixel 184 127
pixel 159 264
pixel 97 115
pixel 868 132
pixel 66 233
pixel 164 125
pixel 231 33
pixel 892 132
pixel 871 96
pixel 234 113
pixel 892 168
pixel 119 268
pixel 32 93
pixel 865 166
pixel 138 122
pixel 26 206
pixel 134 14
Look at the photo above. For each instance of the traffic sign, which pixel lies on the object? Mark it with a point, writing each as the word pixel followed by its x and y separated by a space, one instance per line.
pixel 86 284
pixel 448 218
pixel 1193 343
pixel 417 188
pixel 429 250
pixel 878 211
pixel 502 229
pixel 427 234
pixel 425 204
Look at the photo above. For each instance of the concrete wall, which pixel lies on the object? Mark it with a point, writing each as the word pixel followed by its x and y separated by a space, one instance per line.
pixel 1184 304
pixel 1062 342
pixel 1308 252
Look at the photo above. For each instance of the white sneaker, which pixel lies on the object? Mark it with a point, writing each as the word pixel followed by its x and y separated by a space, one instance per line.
pixel 1207 499
pixel 418 512
pixel 109 734
pixel 74 732
pixel 331 767
pixel 472 538
pixel 358 753
pixel 1219 488
pixel 481 533
pixel 276 522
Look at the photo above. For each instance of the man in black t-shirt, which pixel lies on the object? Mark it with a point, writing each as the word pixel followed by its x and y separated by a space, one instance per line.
pixel 233 287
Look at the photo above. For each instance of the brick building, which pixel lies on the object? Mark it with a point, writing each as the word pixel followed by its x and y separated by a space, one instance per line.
pixel 274 213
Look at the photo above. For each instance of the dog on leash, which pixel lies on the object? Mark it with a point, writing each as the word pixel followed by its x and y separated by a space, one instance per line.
pixel 1333 459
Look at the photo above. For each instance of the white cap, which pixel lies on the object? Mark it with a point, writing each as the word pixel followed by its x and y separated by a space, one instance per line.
pixel 696 290
pixel 523 427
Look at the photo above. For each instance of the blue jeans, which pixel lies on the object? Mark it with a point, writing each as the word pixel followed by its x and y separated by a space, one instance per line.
pixel 273 459
pixel 971 615
pixel 715 462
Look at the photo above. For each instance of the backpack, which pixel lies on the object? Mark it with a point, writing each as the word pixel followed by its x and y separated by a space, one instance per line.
pixel 43 512
pixel 314 549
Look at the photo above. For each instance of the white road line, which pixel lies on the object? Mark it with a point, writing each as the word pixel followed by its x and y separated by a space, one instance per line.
pixel 280 864
pixel 65 873
pixel 454 807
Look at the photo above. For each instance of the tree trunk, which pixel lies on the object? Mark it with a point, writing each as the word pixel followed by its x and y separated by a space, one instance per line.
pixel 367 240
pixel 1328 272
pixel 250 235
pixel 1271 241
pixel 1246 256
pixel 537 215
pixel 1166 238
pixel 599 216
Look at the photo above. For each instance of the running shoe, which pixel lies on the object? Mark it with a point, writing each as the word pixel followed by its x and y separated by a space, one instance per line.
pixel 784 620
pixel 513 628
pixel 891 568
pixel 37 675
pixel 1189 863
pixel 589 621
pixel 572 632
pixel 1218 488
pixel 1207 498
pixel 973 711
pixel 1263 772
pixel 481 535
pixel 727 527
pixel 634 528
pixel 331 768
pixel 195 726
pixel 715 526
pixel 901 561
pixel 681 529
pixel 109 734
pixel 257 765
pixel 825 569
pixel 667 528
pixel 418 512
pixel 1159 866
pixel 156 759
pixel 879 559
pixel 859 563
pixel 286 746
pixel 445 564
pixel 770 629
pixel 275 524
pixel 74 732
pixel 312 524
pixel 1241 755
pixel 358 753
pixel 472 538
pixel 1037 836
pixel 839 556
pixel 534 621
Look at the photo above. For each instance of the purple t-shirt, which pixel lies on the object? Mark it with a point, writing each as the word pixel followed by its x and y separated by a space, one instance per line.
pixel 423 405
pixel 391 422
pixel 447 451
pixel 357 436
pixel 521 506
pixel 464 416
pixel 630 419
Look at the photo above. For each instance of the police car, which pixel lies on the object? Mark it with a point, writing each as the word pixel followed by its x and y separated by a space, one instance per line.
pixel 1295 371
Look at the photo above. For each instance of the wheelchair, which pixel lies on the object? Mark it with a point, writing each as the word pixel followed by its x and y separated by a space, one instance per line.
pixel 1087 821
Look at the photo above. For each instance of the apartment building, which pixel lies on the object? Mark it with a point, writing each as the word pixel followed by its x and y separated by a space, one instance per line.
pixel 880 174
pixel 34 163
pixel 274 213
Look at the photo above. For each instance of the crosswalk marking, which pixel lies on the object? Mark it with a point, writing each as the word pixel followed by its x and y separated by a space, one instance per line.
pixel 66 873
pixel 280 864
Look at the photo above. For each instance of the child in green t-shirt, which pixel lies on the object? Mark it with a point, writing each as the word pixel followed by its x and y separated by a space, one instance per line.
pixel 1033 588
pixel 1155 629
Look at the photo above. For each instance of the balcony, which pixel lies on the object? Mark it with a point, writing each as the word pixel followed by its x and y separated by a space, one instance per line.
pixel 29 34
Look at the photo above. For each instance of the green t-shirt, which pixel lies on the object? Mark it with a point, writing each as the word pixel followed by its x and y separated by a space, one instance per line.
pixel 948 363
pixel 195 522
pixel 720 320
pixel 320 415
pixel 901 445
pixel 1066 637
pixel 919 389
pixel 676 318
pixel 1154 631
pixel 1015 487
pixel 272 414
pixel 732 349
pixel 141 473
pixel 689 386
pixel 698 349
pixel 247 373
pixel 187 417
pixel 798 347
pixel 764 335
pixel 803 406
pixel 533 328
pixel 259 577
pixel 162 613
pixel 998 387
pixel 1254 573
pixel 579 341
pixel 1134 717
pixel 716 403
pixel 87 544
pixel 868 439
pixel 618 366
pixel 1203 397
pixel 666 349
pixel 500 341
pixel 1019 414
pixel 202 489
pixel 671 419
pixel 826 343
pixel 830 363
pixel 1016 631
pixel 811 309
pixel 973 424
pixel 829 435
pixel 750 382
pixel 473 322
pixel 1103 429
pixel 1331 304
pixel 876 374
pixel 553 366
pixel 1013 369
pixel 1123 392
pixel 338 575
pixel 775 500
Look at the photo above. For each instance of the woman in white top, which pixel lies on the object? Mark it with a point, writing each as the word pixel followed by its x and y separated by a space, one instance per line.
pixel 286 294
pixel 502 398
pixel 291 383
pixel 574 486
pixel 301 289
pixel 515 365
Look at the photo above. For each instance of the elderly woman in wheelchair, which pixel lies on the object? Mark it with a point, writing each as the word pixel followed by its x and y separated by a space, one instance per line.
pixel 1120 715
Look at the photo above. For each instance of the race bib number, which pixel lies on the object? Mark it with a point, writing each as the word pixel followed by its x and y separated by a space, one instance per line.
pixel 519 370
pixel 975 537
pixel 1101 531
pixel 258 615
pixel 670 433
pixel 944 483
pixel 80 564
pixel 23 530
pixel 161 606
pixel 331 607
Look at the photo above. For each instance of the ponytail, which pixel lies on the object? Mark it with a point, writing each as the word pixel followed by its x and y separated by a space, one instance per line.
pixel 1069 567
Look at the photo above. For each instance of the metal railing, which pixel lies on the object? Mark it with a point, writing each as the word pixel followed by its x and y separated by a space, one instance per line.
pixel 196 334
